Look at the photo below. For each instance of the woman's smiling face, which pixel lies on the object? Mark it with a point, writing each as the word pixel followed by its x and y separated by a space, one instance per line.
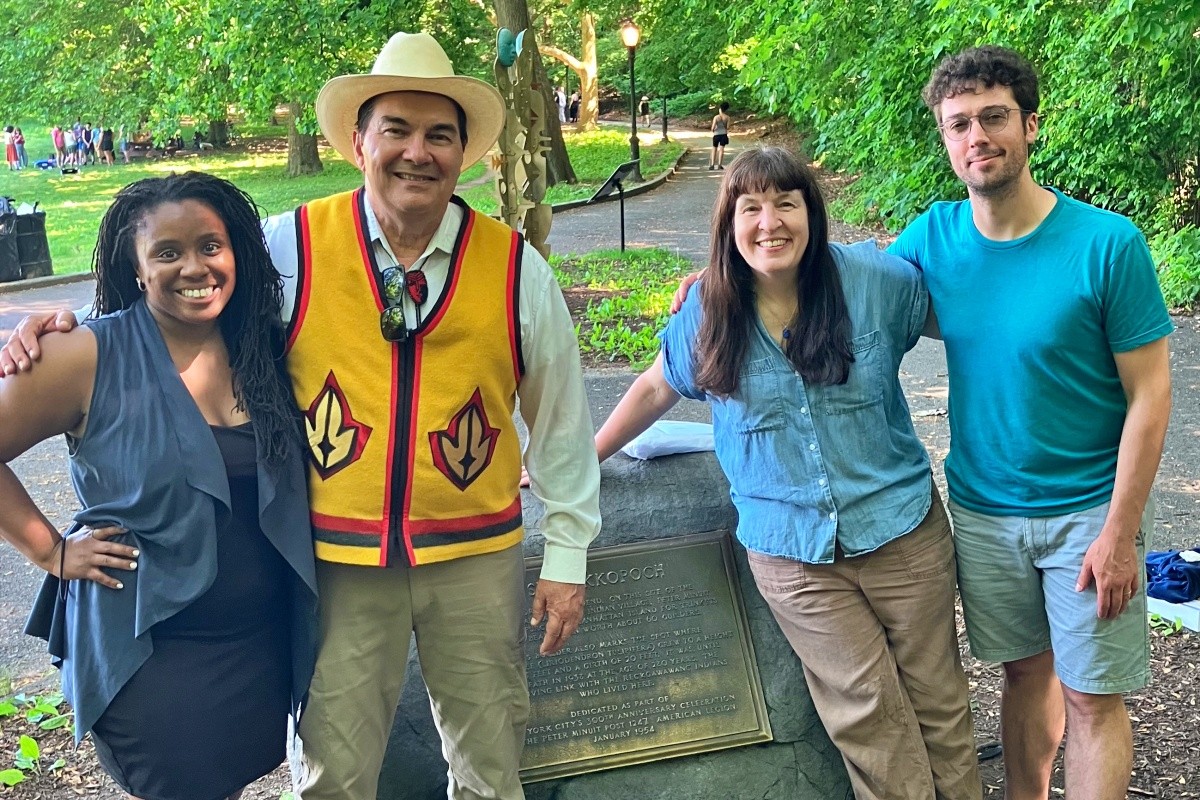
pixel 770 229
pixel 186 261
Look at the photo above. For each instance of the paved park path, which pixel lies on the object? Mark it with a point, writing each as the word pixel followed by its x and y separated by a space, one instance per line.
pixel 674 216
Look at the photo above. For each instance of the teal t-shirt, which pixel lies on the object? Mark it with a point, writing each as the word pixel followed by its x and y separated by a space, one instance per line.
pixel 1030 328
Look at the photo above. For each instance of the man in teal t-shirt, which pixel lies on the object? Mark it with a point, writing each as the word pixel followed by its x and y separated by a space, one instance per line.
pixel 1055 332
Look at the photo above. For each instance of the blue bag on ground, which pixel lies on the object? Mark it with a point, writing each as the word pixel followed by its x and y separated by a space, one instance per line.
pixel 1172 578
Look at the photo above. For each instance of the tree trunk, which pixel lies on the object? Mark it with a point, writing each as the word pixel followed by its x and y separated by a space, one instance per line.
pixel 589 90
pixel 303 158
pixel 218 132
pixel 585 69
pixel 514 15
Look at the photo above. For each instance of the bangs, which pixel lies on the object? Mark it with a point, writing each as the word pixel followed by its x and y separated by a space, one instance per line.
pixel 764 169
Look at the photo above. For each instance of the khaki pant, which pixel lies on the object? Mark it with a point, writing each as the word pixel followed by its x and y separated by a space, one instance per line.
pixel 468 617
pixel 877 639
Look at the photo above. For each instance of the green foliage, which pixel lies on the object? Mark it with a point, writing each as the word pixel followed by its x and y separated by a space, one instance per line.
pixel 48 712
pixel 692 104
pixel 632 297
pixel 1165 627
pixel 1177 254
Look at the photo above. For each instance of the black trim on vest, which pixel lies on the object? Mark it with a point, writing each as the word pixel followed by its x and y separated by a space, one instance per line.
pixel 366 541
pixel 301 275
pixel 516 304
pixel 360 208
pixel 424 540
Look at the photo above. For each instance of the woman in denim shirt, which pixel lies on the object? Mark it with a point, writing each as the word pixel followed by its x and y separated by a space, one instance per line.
pixel 796 345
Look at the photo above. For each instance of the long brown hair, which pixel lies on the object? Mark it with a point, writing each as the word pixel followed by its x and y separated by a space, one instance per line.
pixel 819 347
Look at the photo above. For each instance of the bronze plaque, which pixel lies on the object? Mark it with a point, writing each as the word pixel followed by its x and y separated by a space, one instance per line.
pixel 662 665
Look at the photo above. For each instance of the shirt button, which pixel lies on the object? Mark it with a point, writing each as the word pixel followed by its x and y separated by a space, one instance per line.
pixel 833 515
pixel 821 482
pixel 812 447
pixel 803 409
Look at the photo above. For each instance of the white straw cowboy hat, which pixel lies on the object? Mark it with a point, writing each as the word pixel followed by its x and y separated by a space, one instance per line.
pixel 411 62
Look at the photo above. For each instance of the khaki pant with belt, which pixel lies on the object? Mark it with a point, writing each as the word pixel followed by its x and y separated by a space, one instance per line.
pixel 877 639
pixel 468 617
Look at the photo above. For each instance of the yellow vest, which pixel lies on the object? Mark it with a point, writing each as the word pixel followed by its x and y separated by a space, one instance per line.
pixel 413 453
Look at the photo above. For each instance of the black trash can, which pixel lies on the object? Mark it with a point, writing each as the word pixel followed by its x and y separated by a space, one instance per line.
pixel 33 248
pixel 10 260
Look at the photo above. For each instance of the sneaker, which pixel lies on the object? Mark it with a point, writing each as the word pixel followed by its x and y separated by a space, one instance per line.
pixel 720 166
pixel 711 167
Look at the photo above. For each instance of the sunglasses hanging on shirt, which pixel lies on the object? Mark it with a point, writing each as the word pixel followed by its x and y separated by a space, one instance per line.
pixel 396 284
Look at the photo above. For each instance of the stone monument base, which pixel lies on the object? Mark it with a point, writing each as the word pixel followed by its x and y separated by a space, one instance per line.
pixel 643 501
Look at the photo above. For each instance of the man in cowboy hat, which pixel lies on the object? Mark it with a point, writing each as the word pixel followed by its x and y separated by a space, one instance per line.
pixel 416 459
pixel 413 324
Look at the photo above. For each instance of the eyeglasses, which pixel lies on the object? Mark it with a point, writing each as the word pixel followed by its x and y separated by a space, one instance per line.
pixel 992 119
pixel 397 283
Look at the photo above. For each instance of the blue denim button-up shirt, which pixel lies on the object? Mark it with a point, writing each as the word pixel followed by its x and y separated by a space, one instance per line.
pixel 809 466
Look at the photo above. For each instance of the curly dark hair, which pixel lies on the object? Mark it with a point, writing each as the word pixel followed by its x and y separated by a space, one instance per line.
pixel 983 67
pixel 249 324
pixel 820 347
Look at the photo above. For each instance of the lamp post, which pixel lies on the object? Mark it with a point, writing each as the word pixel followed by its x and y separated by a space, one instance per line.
pixel 631 34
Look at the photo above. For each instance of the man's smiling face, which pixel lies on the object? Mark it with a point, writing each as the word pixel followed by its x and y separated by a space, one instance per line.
pixel 410 153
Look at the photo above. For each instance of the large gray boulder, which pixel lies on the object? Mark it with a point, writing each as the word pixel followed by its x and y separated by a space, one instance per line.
pixel 642 501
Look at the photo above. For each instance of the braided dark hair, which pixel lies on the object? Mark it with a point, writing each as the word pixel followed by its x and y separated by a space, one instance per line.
pixel 249 324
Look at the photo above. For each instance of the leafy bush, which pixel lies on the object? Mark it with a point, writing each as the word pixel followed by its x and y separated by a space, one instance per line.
pixel 692 104
pixel 1178 257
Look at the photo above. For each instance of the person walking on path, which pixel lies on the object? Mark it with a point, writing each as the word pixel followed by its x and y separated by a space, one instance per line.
pixel 720 139
pixel 644 110
pixel 1055 332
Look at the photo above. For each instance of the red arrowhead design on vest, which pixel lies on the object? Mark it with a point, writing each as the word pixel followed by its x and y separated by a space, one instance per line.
pixel 464 449
pixel 335 439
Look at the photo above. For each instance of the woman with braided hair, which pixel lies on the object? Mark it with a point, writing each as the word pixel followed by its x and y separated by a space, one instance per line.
pixel 181 604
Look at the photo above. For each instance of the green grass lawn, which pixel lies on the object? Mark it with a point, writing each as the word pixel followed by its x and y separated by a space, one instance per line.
pixel 629 294
pixel 74 204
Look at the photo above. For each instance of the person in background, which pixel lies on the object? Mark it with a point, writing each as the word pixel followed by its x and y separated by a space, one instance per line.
pixel 19 143
pixel 560 100
pixel 106 146
pixel 181 606
pixel 83 144
pixel 70 147
pixel 123 143
pixel 720 139
pixel 573 107
pixel 56 139
pixel 796 345
pixel 10 148
pixel 644 110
